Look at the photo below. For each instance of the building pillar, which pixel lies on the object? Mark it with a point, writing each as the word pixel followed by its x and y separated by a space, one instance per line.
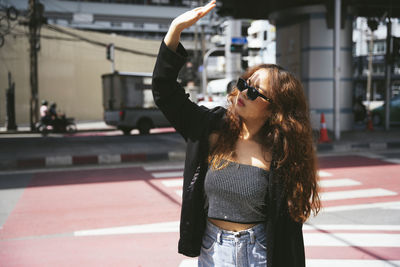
pixel 305 46
pixel 232 60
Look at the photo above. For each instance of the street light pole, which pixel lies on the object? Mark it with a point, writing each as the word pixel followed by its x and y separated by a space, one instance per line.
pixel 369 77
pixel 388 72
pixel 336 117
pixel 204 73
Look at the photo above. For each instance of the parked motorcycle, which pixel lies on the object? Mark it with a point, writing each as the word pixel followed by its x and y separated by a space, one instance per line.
pixel 60 124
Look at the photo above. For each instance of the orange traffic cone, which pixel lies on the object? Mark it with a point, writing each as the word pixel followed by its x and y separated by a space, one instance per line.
pixel 323 133
pixel 370 124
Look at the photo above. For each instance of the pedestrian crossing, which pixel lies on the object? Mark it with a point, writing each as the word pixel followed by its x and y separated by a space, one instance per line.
pixel 334 245
pixel 173 179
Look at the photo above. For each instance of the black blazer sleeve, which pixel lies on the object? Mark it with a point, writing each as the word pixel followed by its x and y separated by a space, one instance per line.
pixel 185 116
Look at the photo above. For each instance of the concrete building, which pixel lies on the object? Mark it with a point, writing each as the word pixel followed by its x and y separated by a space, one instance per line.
pixel 361 40
pixel 261 43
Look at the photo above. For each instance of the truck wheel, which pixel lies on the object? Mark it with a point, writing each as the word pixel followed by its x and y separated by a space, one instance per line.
pixel 144 126
pixel 71 128
pixel 126 131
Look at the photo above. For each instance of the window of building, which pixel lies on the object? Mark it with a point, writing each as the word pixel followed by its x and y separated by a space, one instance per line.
pixel 396 68
pixel 395 88
pixel 163 26
pixel 378 68
pixel 116 24
pixel 138 25
pixel 379 47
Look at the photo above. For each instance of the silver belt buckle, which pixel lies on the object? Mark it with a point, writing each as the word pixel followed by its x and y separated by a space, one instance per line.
pixel 239 234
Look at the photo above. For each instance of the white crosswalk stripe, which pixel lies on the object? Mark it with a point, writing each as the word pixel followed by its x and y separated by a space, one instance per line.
pixel 179 192
pixel 329 237
pixel 167 174
pixel 338 182
pixel 349 194
pixel 173 182
pixel 325 196
pixel 362 193
pixel 324 174
pixel 349 239
pixel 324 263
pixel 351 263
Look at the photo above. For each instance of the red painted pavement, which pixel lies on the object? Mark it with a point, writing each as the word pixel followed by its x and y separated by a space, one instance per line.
pixel 118 250
pixel 63 202
pixel 39 231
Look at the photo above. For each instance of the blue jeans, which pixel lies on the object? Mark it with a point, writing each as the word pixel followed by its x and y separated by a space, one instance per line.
pixel 226 248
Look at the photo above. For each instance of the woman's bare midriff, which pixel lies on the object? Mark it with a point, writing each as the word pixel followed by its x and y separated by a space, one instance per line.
pixel 231 226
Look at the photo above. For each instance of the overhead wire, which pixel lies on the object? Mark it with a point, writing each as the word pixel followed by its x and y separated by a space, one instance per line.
pixel 93 42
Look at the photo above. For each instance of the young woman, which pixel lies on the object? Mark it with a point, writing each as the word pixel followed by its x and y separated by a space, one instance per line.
pixel 250 176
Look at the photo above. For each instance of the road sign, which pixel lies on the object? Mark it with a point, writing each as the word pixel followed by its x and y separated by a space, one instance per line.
pixel 238 40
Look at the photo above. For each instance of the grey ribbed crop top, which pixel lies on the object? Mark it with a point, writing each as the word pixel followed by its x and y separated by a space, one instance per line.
pixel 236 193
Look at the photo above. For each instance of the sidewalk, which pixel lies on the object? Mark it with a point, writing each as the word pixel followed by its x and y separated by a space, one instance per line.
pixel 86 126
pixel 361 139
pixel 97 143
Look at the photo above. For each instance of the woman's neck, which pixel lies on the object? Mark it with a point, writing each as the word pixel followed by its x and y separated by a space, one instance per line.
pixel 250 130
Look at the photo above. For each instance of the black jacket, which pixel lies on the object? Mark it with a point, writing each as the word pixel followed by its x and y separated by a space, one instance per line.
pixel 285 247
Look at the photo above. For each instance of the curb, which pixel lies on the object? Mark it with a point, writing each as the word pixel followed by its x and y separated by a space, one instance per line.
pixel 354 147
pixel 104 159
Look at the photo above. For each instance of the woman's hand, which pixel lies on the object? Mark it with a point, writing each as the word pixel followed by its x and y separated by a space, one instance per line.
pixel 184 21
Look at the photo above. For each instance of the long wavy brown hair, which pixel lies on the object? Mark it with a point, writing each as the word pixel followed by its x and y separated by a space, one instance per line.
pixel 287 135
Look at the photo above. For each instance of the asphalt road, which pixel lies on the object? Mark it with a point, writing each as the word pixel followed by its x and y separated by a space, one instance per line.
pixel 127 215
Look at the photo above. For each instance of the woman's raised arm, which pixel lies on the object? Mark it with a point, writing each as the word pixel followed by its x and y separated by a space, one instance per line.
pixel 184 21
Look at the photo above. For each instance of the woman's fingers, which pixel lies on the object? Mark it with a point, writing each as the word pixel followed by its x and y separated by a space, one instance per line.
pixel 204 10
pixel 184 21
pixel 207 8
pixel 189 18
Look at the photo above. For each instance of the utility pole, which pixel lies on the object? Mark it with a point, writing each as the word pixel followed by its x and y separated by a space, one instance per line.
pixel 373 25
pixel 369 77
pixel 10 103
pixel 35 20
pixel 388 72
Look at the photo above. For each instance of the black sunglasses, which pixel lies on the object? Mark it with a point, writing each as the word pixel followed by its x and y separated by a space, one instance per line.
pixel 252 92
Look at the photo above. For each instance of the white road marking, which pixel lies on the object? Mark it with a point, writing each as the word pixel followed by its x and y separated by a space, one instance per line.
pixel 167 174
pixel 350 239
pixel 165 227
pixel 310 239
pixel 179 192
pixel 329 227
pixel 324 263
pixel 324 174
pixel 362 193
pixel 338 182
pixel 380 205
pixel 394 206
pixel 188 263
pixel 106 158
pixel 349 263
pixel 395 161
pixel 173 182
pixel 58 160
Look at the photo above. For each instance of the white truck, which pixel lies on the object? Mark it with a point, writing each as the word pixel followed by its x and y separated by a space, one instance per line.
pixel 128 102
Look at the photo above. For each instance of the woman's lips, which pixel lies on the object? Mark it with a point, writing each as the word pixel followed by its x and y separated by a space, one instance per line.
pixel 240 102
